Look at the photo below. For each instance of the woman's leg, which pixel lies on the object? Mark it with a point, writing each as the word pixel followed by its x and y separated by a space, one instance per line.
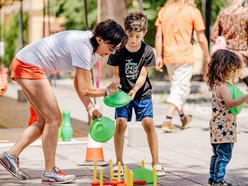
pixel 152 138
pixel 121 125
pixel 41 96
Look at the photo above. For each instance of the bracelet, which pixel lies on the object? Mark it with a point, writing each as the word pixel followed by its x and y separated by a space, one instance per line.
pixel 89 107
pixel 107 93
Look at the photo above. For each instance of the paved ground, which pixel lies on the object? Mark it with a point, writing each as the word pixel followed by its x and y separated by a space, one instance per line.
pixel 185 155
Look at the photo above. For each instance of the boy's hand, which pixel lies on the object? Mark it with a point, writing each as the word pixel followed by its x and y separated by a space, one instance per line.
pixel 132 93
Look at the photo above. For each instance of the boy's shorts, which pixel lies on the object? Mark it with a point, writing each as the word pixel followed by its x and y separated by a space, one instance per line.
pixel 23 70
pixel 143 109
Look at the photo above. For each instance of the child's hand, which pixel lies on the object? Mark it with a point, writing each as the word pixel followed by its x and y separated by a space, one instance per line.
pixel 132 93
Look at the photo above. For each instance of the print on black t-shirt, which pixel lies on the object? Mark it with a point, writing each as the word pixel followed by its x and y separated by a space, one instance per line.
pixel 130 65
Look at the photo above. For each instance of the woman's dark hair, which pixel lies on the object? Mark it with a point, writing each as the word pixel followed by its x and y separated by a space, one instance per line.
pixel 136 21
pixel 111 32
pixel 222 64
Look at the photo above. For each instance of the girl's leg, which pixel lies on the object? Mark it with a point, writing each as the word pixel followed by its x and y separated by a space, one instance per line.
pixel 41 96
pixel 212 164
pixel 121 125
pixel 152 138
pixel 224 154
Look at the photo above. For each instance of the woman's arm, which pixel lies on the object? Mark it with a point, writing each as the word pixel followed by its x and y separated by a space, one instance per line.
pixel 116 75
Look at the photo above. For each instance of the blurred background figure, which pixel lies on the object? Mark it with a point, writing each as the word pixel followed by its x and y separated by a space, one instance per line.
pixel 232 24
pixel 176 22
pixel 3 79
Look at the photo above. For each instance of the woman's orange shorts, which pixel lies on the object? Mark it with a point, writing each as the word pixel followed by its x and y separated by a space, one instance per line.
pixel 23 70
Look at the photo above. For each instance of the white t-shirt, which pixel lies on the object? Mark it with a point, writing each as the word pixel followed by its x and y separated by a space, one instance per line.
pixel 61 52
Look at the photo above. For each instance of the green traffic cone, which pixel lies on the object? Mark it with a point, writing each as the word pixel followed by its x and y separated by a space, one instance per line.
pixel 66 128
pixel 59 134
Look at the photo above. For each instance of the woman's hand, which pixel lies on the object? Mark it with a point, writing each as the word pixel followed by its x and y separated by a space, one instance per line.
pixel 94 113
pixel 113 88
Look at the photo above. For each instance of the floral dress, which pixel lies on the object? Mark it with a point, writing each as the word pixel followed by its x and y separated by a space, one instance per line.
pixel 234 27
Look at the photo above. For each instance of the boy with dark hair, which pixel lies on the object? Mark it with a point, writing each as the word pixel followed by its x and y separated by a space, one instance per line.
pixel 131 66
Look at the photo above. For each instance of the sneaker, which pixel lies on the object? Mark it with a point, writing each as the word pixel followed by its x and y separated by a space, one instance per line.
pixel 222 183
pixel 169 127
pixel 186 121
pixel 210 181
pixel 56 176
pixel 115 171
pixel 12 165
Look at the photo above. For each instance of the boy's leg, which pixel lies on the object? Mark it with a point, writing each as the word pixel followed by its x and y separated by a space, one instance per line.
pixel 121 125
pixel 122 115
pixel 224 154
pixel 152 139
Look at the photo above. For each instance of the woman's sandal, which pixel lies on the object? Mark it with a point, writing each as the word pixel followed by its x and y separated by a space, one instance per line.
pixel 160 170
pixel 115 171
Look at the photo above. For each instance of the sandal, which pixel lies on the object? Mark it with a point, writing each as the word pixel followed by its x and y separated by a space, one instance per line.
pixel 115 171
pixel 160 170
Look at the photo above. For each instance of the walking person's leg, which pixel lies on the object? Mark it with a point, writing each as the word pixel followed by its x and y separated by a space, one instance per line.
pixel 180 77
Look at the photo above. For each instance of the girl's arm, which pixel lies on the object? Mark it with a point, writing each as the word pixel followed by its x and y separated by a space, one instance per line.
pixel 140 81
pixel 226 95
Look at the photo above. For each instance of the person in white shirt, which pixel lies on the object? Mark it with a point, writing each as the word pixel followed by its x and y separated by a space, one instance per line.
pixel 31 67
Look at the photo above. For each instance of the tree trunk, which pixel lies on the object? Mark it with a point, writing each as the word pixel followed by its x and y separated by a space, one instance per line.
pixel 116 10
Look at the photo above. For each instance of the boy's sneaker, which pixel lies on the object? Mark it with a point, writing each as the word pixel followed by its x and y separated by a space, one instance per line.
pixel 12 165
pixel 56 176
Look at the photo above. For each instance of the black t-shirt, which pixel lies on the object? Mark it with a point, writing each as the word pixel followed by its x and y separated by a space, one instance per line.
pixel 130 65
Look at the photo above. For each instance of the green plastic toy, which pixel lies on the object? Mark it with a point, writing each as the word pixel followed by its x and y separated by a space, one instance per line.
pixel 103 130
pixel 236 94
pixel 143 174
pixel 119 99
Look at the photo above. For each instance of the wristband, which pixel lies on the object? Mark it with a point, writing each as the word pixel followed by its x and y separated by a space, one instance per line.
pixel 107 93
pixel 89 107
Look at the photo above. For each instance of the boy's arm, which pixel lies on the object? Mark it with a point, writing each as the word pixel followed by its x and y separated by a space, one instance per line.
pixel 140 81
pixel 225 94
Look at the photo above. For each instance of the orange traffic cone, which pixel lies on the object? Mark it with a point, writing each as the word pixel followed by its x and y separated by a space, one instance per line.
pixel 94 152
pixel 33 116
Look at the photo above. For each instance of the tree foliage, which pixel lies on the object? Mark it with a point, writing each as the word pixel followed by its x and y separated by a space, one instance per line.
pixel 75 15
pixel 10 37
